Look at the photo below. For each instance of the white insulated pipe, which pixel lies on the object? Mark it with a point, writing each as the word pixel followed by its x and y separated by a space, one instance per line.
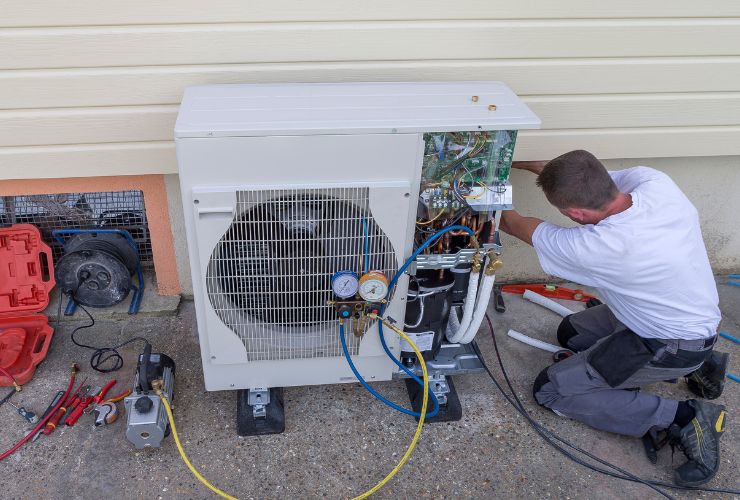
pixel 533 342
pixel 453 323
pixel 547 303
pixel 481 307
pixel 454 336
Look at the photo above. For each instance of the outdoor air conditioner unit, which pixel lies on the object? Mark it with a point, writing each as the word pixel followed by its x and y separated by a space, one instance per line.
pixel 286 185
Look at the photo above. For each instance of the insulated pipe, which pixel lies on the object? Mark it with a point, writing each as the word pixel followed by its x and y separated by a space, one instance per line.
pixel 468 308
pixel 453 323
pixel 481 307
pixel 533 342
pixel 547 303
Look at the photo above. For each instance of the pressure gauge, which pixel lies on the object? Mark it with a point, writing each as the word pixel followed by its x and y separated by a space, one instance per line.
pixel 344 284
pixel 373 286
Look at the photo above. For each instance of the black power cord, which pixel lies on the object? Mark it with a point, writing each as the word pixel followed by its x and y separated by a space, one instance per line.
pixel 103 359
pixel 551 438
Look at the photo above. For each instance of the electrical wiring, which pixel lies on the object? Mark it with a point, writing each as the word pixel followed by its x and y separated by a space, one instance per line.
pixel 183 455
pixel 103 356
pixel 420 297
pixel 16 385
pixel 424 223
pixel 422 415
pixel 550 437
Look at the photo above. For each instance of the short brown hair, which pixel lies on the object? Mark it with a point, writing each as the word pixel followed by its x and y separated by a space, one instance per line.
pixel 577 180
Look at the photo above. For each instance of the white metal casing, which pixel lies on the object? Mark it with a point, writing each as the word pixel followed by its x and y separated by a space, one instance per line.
pixel 244 137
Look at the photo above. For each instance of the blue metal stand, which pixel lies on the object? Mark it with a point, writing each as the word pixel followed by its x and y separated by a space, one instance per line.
pixel 63 235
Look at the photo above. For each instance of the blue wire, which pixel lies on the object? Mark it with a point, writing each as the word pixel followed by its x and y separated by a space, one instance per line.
pixel 373 391
pixel 367 244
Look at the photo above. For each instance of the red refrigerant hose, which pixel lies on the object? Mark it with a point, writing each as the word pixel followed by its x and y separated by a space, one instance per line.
pixel 43 421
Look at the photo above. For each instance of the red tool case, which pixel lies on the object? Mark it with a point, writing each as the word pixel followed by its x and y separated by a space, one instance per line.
pixel 26 278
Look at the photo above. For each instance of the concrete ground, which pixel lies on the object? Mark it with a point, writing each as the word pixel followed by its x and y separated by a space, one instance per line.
pixel 338 441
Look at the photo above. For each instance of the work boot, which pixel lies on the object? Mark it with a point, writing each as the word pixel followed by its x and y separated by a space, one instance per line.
pixel 699 440
pixel 708 381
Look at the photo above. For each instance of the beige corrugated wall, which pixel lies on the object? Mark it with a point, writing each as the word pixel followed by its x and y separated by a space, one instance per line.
pixel 91 87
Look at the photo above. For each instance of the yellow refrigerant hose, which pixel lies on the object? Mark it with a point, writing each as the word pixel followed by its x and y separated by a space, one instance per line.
pixel 369 492
pixel 182 452
pixel 423 411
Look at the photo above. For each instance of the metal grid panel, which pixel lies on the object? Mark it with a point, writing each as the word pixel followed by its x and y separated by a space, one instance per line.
pixel 269 277
pixel 99 210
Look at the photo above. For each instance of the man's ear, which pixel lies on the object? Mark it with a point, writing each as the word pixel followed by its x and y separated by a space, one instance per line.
pixel 576 214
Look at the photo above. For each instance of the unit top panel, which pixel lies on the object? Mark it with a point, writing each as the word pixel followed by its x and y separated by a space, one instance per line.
pixel 350 108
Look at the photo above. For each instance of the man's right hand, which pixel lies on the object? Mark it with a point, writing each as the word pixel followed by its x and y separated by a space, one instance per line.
pixel 533 166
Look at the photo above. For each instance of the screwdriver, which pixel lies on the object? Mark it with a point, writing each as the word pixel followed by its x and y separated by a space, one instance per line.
pixel 28 415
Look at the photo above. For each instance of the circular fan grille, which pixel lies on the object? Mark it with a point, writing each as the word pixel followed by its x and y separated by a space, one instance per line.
pixel 274 263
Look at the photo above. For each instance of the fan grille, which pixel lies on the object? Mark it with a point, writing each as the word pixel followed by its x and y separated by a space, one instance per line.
pixel 269 277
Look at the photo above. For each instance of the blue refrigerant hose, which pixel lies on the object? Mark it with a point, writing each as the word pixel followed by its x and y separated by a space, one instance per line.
pixel 373 391
pixel 388 352
pixel 392 285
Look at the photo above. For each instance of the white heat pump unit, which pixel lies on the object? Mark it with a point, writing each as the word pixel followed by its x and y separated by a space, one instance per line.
pixel 303 200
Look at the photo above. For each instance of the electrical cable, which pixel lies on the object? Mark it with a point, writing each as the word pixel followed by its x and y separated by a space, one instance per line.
pixel 425 222
pixel 550 437
pixel 16 385
pixel 7 397
pixel 183 455
pixel 422 414
pixel 539 428
pixel 102 355
pixel 420 298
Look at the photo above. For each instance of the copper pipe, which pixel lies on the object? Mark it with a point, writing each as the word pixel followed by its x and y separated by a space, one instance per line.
pixel 479 226
pixel 464 222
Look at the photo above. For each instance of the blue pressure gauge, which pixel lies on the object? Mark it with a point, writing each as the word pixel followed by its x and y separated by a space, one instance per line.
pixel 345 284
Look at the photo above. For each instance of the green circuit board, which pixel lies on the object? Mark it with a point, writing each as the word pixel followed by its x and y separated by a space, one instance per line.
pixel 454 161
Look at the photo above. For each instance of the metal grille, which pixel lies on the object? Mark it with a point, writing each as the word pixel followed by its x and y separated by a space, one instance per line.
pixel 269 277
pixel 100 210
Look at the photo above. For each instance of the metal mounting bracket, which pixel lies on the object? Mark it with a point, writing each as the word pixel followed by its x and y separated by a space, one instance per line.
pixel 440 387
pixel 258 399
pixel 450 260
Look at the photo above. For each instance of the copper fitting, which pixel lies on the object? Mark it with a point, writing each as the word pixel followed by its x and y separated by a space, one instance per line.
pixel 494 263
pixel 476 262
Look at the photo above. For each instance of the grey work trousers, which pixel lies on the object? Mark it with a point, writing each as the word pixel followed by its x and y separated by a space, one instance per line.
pixel 576 390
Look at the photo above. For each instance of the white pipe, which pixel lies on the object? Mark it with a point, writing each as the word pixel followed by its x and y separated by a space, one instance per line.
pixel 453 323
pixel 547 303
pixel 533 342
pixel 481 307
pixel 468 308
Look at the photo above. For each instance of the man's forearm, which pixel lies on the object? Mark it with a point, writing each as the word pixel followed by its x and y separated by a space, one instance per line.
pixel 518 226
pixel 533 166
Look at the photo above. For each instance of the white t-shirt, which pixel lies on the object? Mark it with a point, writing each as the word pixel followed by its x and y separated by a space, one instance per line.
pixel 648 262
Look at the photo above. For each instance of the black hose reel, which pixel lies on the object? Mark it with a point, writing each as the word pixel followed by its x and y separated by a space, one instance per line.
pixel 96 268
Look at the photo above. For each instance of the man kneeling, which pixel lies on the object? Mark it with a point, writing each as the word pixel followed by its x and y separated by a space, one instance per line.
pixel 640 246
